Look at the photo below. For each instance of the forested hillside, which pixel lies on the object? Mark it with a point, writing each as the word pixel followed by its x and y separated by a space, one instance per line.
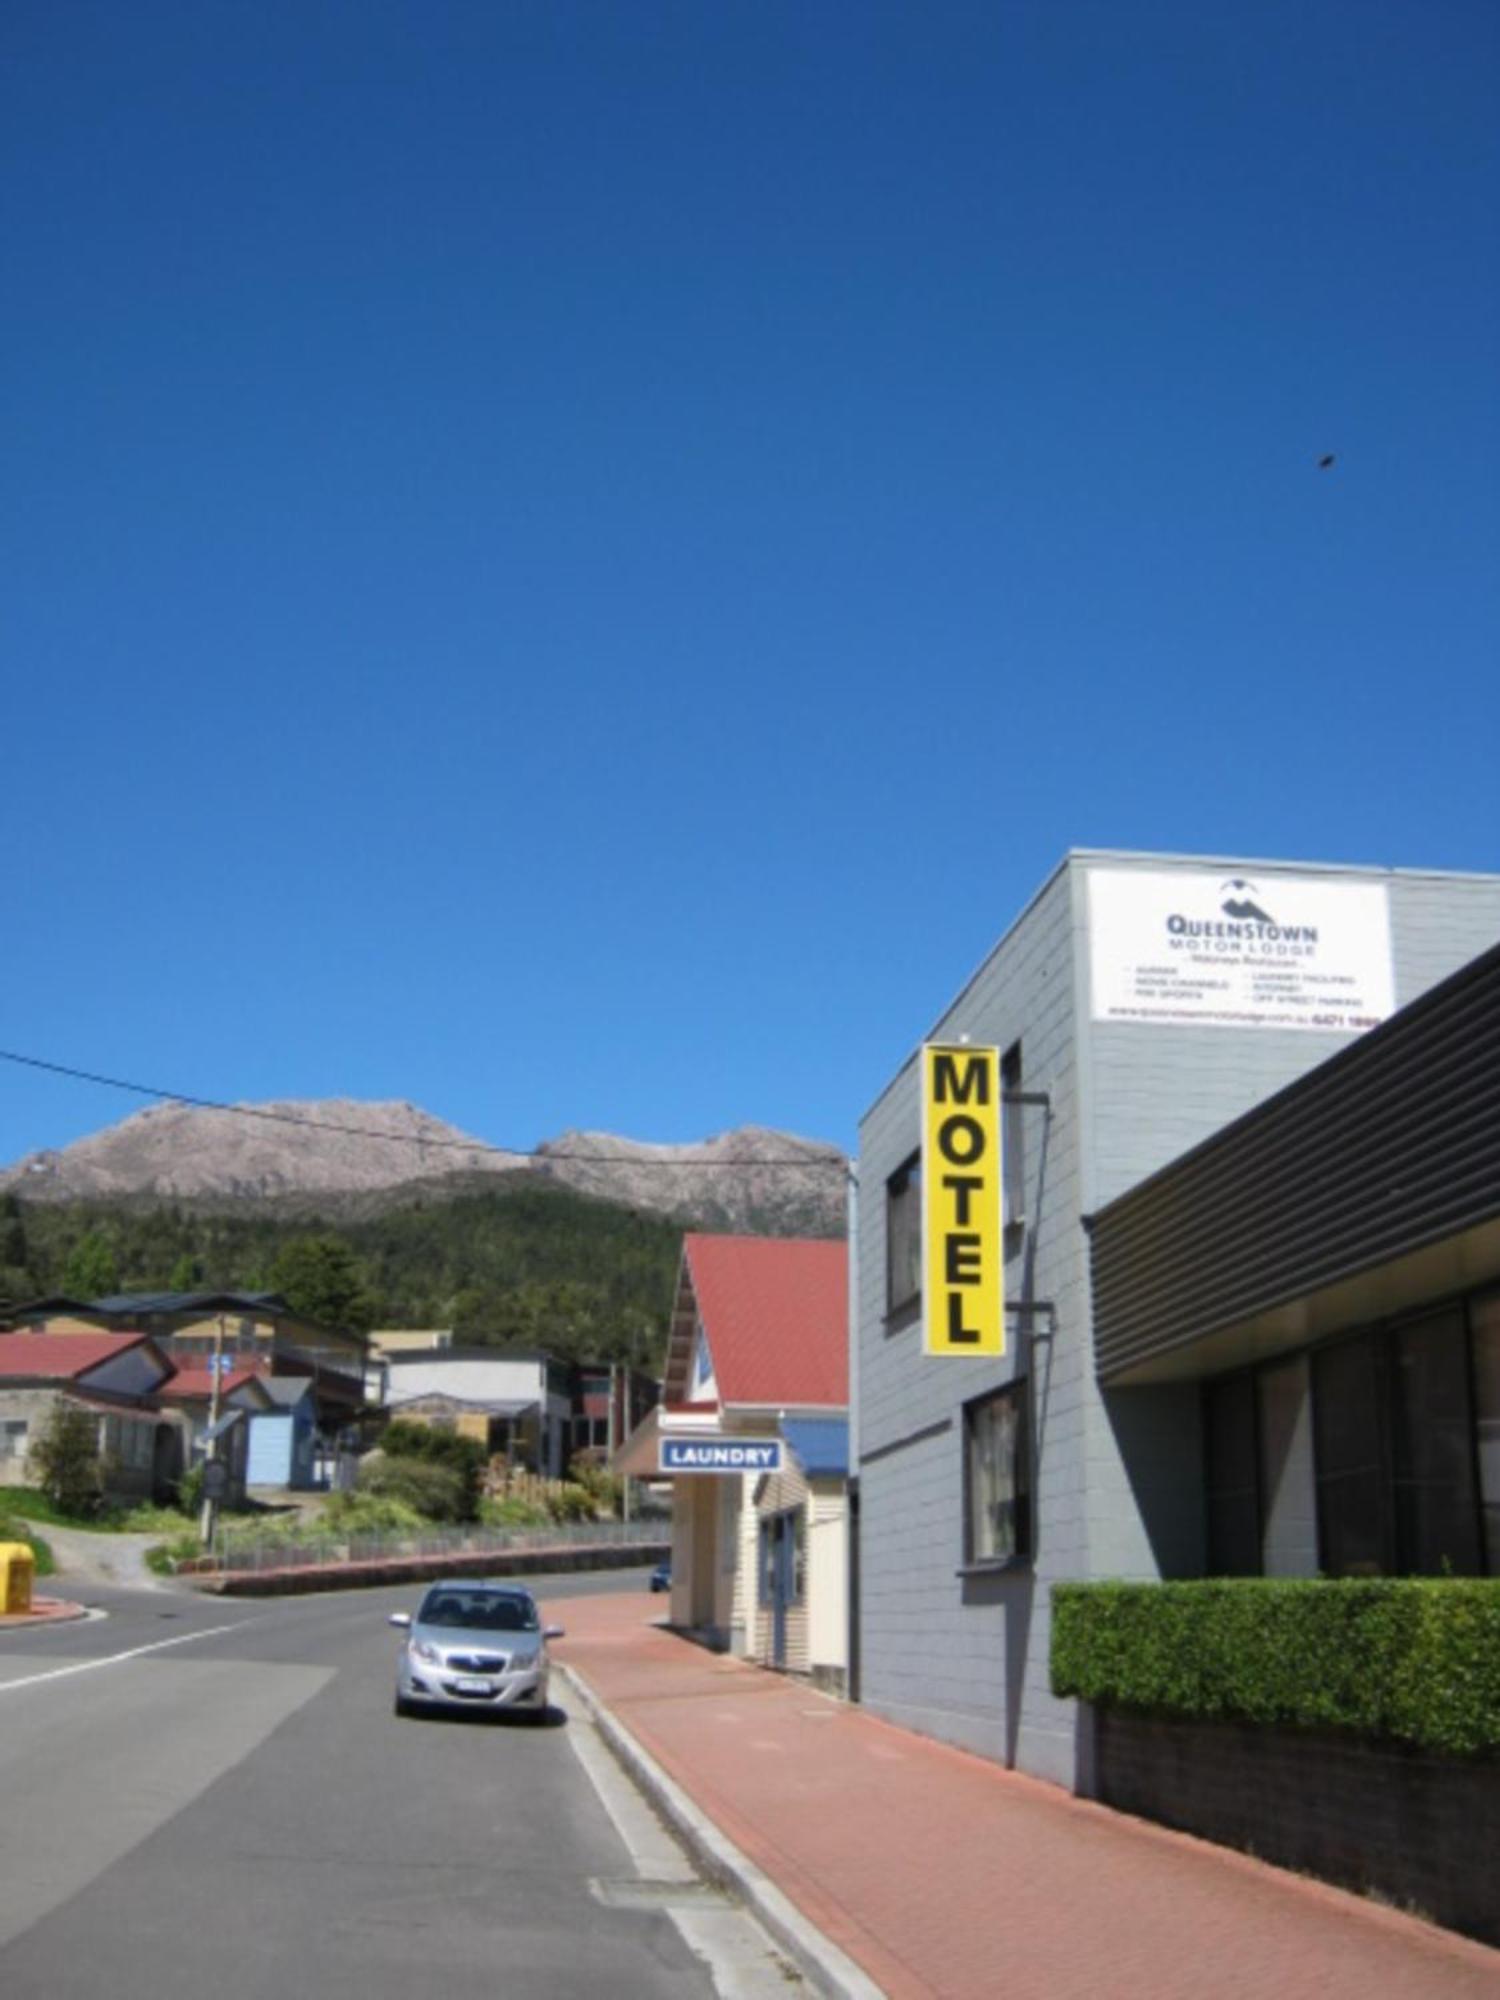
pixel 516 1264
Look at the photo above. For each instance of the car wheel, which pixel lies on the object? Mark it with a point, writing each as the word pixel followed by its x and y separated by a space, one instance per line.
pixel 403 1706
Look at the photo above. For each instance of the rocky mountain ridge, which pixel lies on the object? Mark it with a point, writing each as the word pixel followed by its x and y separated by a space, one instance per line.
pixel 329 1154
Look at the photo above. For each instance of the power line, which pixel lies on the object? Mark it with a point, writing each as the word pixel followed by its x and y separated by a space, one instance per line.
pixel 402 1139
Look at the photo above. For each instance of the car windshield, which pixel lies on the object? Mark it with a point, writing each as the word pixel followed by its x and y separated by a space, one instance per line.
pixel 479 1611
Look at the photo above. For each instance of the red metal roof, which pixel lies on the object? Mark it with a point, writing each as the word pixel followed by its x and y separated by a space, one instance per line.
pixel 197 1384
pixel 776 1312
pixel 61 1357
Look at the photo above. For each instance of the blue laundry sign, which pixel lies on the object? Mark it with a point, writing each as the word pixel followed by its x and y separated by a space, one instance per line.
pixel 687 1454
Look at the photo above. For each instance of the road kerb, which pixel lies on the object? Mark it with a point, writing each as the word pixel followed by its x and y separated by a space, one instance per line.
pixel 827 1968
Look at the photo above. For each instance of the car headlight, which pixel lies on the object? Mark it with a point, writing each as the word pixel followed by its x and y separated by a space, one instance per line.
pixel 421 1649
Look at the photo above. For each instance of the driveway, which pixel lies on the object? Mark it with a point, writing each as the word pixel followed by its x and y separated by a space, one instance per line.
pixel 82 1556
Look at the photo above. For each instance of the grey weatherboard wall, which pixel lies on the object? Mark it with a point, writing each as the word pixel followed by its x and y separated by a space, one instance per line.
pixel 1116 1475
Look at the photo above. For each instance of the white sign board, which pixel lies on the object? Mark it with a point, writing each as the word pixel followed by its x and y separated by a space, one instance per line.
pixel 720 1455
pixel 1195 947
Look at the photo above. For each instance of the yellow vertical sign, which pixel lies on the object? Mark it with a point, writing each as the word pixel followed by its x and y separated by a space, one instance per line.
pixel 962 1282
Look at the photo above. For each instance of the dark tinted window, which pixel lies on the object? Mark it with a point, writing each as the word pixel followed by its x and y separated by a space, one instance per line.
pixel 903 1234
pixel 1354 1537
pixel 1486 1333
pixel 1437 1524
pixel 1229 1447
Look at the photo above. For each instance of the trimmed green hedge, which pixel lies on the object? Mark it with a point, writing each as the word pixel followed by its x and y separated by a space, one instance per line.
pixel 1415 1659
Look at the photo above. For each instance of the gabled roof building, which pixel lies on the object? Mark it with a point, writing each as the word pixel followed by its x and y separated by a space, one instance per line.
pixel 753 1433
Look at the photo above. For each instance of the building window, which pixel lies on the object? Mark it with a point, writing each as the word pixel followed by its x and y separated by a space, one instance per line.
pixel 1233 1493
pixel 997 1478
pixel 1394 1430
pixel 1013 1150
pixel 903 1235
pixel 1486 1330
pixel 783 1557
pixel 1437 1521
pixel 13 1437
pixel 1288 1521
pixel 1353 1533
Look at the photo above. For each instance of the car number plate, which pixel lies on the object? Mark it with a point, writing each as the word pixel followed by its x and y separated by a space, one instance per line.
pixel 469 1685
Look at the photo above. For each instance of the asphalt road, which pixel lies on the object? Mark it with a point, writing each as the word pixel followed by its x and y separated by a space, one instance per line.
pixel 212 1798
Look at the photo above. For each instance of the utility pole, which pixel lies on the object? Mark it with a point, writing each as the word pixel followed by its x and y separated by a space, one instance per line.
pixel 210 1514
pixel 626 1426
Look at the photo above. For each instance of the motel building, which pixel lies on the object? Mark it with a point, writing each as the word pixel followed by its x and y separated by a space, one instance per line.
pixel 1178 1254
pixel 752 1433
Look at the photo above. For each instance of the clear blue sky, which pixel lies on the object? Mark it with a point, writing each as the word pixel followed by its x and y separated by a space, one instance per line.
pixel 535 533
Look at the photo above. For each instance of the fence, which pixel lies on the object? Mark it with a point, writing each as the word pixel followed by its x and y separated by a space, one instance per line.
pixel 236 1552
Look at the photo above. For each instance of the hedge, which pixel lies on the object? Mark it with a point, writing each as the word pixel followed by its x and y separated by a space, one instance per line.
pixel 1413 1659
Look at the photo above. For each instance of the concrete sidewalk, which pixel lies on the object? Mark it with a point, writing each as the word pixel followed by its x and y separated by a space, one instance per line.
pixel 909 1869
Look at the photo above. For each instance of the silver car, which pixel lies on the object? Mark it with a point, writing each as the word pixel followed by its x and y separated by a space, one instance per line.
pixel 477 1645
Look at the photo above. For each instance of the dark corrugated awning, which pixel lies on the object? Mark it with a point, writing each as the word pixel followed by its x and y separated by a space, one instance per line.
pixel 1370 1184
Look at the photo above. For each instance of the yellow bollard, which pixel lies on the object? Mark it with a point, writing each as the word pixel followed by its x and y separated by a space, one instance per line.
pixel 17 1571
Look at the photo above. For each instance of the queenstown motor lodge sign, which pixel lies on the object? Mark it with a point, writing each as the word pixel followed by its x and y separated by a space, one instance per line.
pixel 719 1455
pixel 962 1283
pixel 1194 948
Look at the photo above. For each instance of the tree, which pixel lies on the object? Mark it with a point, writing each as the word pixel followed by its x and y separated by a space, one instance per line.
pixel 65 1458
pixel 91 1272
pixel 15 1251
pixel 187 1273
pixel 320 1279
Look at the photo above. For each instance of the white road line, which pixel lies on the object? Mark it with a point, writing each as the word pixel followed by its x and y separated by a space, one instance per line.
pixel 114 1659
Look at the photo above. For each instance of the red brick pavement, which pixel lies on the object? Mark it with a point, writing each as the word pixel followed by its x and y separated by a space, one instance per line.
pixel 44 1611
pixel 943 1875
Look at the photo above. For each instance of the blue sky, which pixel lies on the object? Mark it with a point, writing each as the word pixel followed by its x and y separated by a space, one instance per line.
pixel 577 563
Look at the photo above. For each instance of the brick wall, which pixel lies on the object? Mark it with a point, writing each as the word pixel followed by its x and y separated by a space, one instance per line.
pixel 1421 1832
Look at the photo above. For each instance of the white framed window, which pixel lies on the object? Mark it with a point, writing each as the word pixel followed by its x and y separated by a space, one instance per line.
pixel 903 1235
pixel 997 1479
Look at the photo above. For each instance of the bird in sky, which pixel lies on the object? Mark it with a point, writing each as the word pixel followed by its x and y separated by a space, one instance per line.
pixel 1325 461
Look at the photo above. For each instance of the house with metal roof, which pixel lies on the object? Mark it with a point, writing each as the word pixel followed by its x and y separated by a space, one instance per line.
pixel 284 1436
pixel 244 1328
pixel 519 1405
pixel 116 1379
pixel 244 1394
pixel 752 1432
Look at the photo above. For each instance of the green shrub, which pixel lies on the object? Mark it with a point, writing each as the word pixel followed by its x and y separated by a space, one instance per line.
pixel 1414 1659
pixel 423 1444
pixel 436 1492
pixel 572 1503
pixel 369 1513
pixel 164 1557
pixel 512 1513
pixel 65 1457
pixel 603 1487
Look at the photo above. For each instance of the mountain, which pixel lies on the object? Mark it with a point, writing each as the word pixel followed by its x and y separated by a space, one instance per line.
pixel 754 1180
pixel 340 1155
